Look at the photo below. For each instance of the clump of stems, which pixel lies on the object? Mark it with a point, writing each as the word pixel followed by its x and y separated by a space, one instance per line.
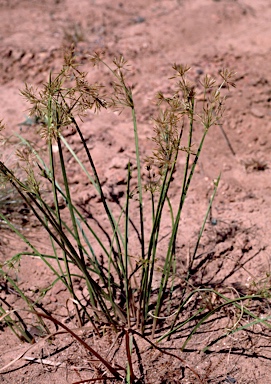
pixel 124 291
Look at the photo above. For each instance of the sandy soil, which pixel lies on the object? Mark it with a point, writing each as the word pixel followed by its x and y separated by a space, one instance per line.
pixel 152 35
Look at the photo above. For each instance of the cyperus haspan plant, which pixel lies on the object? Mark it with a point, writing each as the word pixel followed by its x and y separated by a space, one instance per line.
pixel 122 288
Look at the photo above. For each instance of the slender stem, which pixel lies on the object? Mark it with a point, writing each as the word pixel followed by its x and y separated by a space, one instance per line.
pixel 126 240
pixel 139 182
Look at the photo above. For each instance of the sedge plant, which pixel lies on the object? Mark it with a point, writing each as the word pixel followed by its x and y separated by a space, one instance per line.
pixel 121 289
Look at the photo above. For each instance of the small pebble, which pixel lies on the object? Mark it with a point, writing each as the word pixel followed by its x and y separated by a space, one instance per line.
pixel 257 112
